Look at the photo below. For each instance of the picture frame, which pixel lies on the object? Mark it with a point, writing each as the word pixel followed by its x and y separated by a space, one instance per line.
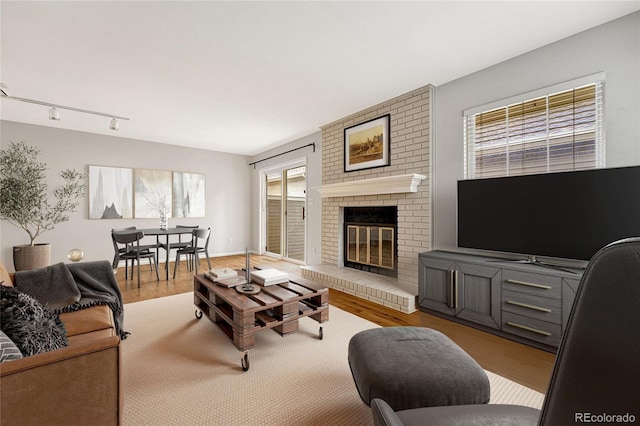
pixel 110 192
pixel 188 194
pixel 152 193
pixel 367 144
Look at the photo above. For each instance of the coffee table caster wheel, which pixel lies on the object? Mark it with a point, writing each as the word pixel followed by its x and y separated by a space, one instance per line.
pixel 244 361
pixel 320 334
pixel 198 314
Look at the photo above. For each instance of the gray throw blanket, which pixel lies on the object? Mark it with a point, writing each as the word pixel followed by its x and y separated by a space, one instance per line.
pixel 52 286
pixel 94 281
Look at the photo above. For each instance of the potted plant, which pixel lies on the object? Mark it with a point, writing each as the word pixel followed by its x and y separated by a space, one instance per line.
pixel 25 203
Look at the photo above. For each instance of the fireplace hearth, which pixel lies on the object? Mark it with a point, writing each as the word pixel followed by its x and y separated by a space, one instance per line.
pixel 370 236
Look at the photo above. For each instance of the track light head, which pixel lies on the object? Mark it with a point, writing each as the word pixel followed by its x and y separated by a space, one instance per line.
pixel 54 114
pixel 114 125
pixel 4 90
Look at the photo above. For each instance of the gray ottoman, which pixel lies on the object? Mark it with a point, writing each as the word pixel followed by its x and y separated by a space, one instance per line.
pixel 413 367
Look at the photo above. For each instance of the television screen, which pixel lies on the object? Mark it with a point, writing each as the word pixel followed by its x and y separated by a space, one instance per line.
pixel 567 215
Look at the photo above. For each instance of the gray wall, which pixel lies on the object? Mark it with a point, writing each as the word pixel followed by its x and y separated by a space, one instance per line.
pixel 314 180
pixel 227 200
pixel 613 48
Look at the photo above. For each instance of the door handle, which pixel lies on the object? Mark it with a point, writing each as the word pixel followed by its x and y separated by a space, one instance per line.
pixel 455 289
pixel 303 213
pixel 451 280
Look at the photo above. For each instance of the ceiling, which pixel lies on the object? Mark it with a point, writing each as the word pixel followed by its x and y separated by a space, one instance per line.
pixel 244 77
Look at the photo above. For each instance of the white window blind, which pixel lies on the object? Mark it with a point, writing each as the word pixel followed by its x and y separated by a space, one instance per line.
pixel 561 131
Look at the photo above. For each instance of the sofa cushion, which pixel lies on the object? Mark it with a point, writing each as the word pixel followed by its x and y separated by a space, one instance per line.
pixel 8 349
pixel 95 318
pixel 5 276
pixel 32 327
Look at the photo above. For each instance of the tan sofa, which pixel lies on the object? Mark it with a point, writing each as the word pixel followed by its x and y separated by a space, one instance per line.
pixel 79 384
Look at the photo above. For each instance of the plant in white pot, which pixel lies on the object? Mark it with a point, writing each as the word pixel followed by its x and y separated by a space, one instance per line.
pixel 25 201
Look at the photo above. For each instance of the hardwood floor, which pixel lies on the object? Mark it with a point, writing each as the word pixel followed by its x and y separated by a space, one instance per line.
pixel 523 364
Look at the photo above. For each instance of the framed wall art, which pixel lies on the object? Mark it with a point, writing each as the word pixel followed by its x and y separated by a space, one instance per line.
pixel 188 194
pixel 110 192
pixel 152 193
pixel 366 145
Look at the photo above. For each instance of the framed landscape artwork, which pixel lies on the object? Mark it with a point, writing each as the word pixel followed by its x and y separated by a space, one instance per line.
pixel 110 192
pixel 366 145
pixel 188 194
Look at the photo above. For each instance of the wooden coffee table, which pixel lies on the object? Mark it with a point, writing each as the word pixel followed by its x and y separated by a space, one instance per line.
pixel 277 307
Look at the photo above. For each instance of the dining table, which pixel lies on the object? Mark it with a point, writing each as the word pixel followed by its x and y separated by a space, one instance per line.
pixel 167 233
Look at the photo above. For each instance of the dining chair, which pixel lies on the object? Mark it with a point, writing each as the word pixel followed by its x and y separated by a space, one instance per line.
pixel 195 248
pixel 119 250
pixel 134 251
pixel 180 244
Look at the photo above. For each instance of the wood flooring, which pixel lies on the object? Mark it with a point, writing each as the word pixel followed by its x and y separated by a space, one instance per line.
pixel 521 363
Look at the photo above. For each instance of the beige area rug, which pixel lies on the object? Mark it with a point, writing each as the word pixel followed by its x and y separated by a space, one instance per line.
pixel 178 370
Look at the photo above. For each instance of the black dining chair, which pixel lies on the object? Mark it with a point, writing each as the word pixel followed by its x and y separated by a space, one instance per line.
pixel 180 244
pixel 120 250
pixel 199 244
pixel 133 251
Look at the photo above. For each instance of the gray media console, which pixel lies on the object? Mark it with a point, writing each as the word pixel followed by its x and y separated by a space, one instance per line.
pixel 528 303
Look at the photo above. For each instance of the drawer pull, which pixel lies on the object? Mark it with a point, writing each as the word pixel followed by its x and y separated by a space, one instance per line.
pixel 455 290
pixel 531 329
pixel 546 287
pixel 526 305
pixel 451 293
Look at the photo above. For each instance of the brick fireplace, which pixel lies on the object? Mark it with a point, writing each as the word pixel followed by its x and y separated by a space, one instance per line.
pixel 403 185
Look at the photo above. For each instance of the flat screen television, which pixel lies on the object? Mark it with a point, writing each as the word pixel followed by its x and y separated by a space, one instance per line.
pixel 568 215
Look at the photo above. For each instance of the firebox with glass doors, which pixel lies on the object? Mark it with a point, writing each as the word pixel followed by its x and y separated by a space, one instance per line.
pixel 370 239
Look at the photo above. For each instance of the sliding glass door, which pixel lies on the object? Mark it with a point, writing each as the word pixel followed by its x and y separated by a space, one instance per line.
pixel 295 210
pixel 285 215
pixel 273 208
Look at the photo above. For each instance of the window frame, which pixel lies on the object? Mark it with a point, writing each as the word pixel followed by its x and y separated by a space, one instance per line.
pixel 598 78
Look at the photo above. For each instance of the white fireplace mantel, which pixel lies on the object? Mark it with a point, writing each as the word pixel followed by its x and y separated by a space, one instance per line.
pixel 375 186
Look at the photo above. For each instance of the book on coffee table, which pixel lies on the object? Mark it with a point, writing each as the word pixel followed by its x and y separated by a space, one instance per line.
pixel 223 273
pixel 231 281
pixel 266 277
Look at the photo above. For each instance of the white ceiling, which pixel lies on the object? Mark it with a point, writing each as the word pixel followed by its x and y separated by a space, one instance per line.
pixel 244 77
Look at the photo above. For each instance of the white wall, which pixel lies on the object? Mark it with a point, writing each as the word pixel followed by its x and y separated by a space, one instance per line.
pixel 613 48
pixel 228 178
pixel 314 180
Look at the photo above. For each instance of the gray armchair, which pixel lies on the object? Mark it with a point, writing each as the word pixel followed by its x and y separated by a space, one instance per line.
pixel 597 370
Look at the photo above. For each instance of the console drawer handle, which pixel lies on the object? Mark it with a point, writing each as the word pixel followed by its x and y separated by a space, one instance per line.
pixel 531 329
pixel 455 289
pixel 546 287
pixel 452 279
pixel 526 305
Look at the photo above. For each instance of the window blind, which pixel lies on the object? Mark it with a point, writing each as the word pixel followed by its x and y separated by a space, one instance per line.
pixel 562 131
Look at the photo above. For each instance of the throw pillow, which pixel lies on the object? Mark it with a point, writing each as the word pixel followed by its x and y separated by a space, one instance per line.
pixel 8 349
pixel 32 327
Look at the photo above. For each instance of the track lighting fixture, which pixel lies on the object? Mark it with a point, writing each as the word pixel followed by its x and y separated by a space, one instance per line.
pixel 54 114
pixel 4 90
